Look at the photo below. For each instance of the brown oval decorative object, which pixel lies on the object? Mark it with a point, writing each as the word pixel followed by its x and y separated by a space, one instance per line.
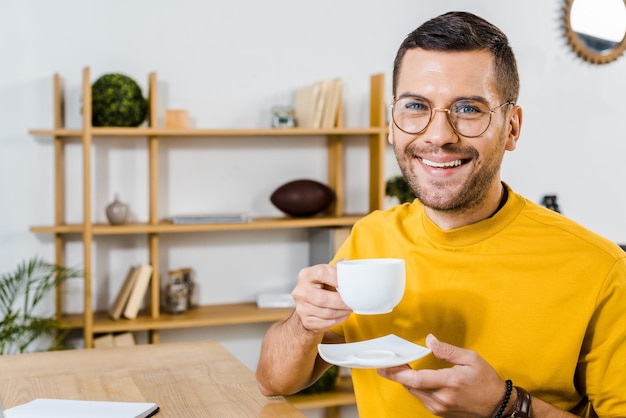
pixel 302 198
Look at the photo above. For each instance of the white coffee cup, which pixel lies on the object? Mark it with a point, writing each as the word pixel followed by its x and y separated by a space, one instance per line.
pixel 371 285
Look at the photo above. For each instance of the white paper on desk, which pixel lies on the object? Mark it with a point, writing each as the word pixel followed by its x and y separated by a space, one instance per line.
pixel 62 408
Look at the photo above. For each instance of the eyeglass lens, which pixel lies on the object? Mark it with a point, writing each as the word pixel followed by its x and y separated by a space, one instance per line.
pixel 469 118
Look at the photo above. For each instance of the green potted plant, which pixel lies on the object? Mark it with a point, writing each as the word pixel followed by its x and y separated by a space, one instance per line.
pixel 325 383
pixel 399 188
pixel 21 291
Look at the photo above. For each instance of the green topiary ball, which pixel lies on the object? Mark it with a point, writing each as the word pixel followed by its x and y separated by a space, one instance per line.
pixel 116 100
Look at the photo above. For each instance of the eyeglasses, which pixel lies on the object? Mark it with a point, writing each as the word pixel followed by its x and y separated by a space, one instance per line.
pixel 468 117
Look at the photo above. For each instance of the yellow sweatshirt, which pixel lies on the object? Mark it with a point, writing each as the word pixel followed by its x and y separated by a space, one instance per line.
pixel 540 298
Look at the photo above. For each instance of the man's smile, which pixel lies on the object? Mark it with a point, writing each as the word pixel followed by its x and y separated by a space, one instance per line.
pixel 447 164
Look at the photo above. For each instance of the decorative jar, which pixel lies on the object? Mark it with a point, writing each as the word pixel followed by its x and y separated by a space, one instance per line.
pixel 117 212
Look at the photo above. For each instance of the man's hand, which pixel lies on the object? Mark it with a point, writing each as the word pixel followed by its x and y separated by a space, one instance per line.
pixel 289 360
pixel 470 388
pixel 318 305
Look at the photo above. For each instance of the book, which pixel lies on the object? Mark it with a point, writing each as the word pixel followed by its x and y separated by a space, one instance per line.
pixel 332 104
pixel 215 218
pixel 306 102
pixel 105 341
pixel 125 339
pixel 118 305
pixel 320 103
pixel 138 292
pixel 65 408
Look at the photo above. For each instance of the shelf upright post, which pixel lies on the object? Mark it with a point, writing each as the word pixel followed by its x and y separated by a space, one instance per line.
pixel 336 165
pixel 336 172
pixel 153 191
pixel 59 158
pixel 86 136
pixel 377 142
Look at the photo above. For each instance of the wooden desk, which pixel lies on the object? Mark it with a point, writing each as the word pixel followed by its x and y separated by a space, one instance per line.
pixel 190 379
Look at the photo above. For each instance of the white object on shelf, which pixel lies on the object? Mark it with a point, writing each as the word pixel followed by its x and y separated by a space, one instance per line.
pixel 275 300
pixel 216 218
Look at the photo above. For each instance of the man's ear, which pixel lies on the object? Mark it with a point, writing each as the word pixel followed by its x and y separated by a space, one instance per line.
pixel 390 133
pixel 514 128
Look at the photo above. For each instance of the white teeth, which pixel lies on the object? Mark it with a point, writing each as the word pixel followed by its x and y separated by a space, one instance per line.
pixel 454 163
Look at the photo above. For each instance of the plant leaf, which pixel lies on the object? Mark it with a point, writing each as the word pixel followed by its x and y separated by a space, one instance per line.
pixel 31 281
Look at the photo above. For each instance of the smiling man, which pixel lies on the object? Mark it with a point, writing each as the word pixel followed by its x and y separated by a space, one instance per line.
pixel 523 309
pixel 443 98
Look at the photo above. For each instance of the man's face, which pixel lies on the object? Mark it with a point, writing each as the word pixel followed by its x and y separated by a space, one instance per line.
pixel 449 172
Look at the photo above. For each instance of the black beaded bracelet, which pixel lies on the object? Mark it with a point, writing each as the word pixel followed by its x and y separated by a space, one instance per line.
pixel 507 396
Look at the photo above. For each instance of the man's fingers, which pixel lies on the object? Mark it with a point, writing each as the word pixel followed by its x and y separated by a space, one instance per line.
pixel 426 379
pixel 448 352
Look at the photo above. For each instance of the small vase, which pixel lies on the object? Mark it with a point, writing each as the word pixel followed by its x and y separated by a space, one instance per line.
pixel 117 212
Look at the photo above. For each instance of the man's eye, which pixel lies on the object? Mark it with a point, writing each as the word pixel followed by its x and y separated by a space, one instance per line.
pixel 468 108
pixel 417 106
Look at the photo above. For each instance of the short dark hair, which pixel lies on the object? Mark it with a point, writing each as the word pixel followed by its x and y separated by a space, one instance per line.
pixel 463 31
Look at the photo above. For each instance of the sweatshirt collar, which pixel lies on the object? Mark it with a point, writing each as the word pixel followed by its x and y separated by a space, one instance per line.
pixel 473 233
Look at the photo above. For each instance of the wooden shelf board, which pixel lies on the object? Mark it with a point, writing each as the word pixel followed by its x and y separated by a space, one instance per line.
pixel 206 133
pixel 341 394
pixel 202 316
pixel 167 227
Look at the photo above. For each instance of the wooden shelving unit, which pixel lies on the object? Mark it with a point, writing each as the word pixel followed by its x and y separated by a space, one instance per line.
pixel 152 319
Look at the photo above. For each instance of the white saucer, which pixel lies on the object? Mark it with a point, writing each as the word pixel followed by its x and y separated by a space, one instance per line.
pixel 387 351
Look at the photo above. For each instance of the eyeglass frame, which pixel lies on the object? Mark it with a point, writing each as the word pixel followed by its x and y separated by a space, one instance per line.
pixel 433 110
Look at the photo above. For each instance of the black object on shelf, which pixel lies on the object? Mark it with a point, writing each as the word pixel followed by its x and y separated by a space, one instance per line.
pixel 550 202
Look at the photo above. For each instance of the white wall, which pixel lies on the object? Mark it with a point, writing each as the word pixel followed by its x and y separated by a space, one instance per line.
pixel 228 63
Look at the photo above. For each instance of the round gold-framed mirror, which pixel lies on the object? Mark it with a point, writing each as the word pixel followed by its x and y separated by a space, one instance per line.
pixel 596 29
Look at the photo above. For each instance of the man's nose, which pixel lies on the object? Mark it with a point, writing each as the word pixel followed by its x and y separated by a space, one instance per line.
pixel 440 130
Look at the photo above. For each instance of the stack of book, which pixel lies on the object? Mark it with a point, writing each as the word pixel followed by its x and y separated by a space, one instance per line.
pixel 132 292
pixel 125 339
pixel 319 105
